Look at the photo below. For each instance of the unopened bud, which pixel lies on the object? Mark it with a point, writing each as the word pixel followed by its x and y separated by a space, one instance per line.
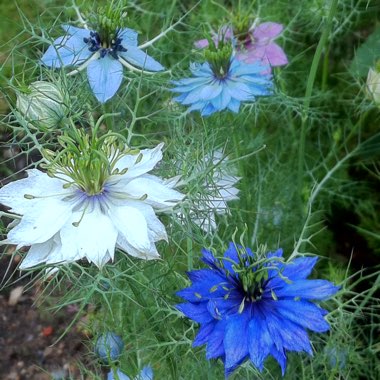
pixel 44 104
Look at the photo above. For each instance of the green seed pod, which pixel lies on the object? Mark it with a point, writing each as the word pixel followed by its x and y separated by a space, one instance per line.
pixel 44 105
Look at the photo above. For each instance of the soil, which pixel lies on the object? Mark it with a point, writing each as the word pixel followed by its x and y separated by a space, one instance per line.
pixel 28 335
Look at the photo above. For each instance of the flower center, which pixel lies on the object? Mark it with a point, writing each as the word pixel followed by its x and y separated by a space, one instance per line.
pixel 111 45
pixel 240 26
pixel 219 58
pixel 87 162
pixel 106 25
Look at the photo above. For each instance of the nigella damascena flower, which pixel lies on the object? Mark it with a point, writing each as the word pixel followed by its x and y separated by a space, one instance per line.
pixel 109 347
pixel 103 51
pixel 97 195
pixel 253 43
pixel 218 188
pixel 373 83
pixel 145 374
pixel 222 82
pixel 252 306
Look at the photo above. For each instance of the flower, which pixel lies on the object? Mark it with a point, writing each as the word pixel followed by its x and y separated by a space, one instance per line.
pixel 109 346
pixel 252 306
pixel 95 197
pixel 43 103
pixel 255 45
pixel 217 189
pixel 104 55
pixel 222 82
pixel 145 374
pixel 373 83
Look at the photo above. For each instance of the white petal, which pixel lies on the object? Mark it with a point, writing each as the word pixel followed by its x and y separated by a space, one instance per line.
pixel 158 194
pixel 149 254
pixel 147 160
pixel 41 222
pixel 38 184
pixel 94 237
pixel 132 226
pixel 156 230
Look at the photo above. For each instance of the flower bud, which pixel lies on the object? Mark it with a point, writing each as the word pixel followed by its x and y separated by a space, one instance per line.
pixel 44 104
pixel 373 83
pixel 109 347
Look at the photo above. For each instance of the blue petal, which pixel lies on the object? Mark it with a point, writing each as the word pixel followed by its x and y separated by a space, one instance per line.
pixel 222 101
pixel 238 90
pixel 234 105
pixel 236 339
pixel 128 36
pixel 303 313
pixel 230 257
pixel 210 91
pixel 204 333
pixel 121 375
pixel 197 312
pixel 280 356
pixel 66 50
pixel 300 268
pixel 201 70
pixel 208 109
pixel 215 347
pixel 308 289
pixel 208 257
pixel 137 57
pixel 77 32
pixel 145 374
pixel 260 341
pixel 105 76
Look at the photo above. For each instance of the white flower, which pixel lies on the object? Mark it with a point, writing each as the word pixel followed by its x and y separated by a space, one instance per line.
pixel 61 222
pixel 217 189
pixel 373 84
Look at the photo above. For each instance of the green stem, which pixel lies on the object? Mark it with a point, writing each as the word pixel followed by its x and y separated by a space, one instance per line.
pixel 309 90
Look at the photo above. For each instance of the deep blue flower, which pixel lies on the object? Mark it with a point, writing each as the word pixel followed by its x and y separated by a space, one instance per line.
pixel 109 346
pixel 209 91
pixel 253 307
pixel 145 374
pixel 104 59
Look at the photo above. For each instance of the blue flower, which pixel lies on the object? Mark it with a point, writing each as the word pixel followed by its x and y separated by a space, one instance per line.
pixel 145 374
pixel 208 91
pixel 109 346
pixel 253 307
pixel 104 59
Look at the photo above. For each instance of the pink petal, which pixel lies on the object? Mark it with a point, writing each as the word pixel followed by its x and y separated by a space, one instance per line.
pixel 275 55
pixel 201 44
pixel 267 31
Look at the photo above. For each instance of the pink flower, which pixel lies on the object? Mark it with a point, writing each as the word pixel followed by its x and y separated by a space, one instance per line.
pixel 257 45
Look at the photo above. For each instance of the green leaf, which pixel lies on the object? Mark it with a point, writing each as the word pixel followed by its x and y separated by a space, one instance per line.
pixel 366 55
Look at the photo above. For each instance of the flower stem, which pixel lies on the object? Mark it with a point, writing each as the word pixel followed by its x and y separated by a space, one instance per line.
pixel 309 90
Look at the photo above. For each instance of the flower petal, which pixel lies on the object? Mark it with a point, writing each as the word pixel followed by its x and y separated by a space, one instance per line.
pixel 66 50
pixel 128 37
pixel 105 76
pixel 92 236
pixel 236 342
pixel 132 225
pixel 267 31
pixel 157 194
pixel 141 163
pixel 138 58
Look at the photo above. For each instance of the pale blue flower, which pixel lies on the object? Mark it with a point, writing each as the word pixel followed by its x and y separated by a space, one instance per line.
pixel 209 92
pixel 145 374
pixel 104 62
pixel 250 307
pixel 109 346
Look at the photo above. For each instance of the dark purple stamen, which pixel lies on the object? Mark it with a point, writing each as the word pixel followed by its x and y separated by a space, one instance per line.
pixel 95 44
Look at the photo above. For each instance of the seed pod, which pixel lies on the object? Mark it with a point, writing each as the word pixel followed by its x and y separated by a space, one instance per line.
pixel 44 105
pixel 373 84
